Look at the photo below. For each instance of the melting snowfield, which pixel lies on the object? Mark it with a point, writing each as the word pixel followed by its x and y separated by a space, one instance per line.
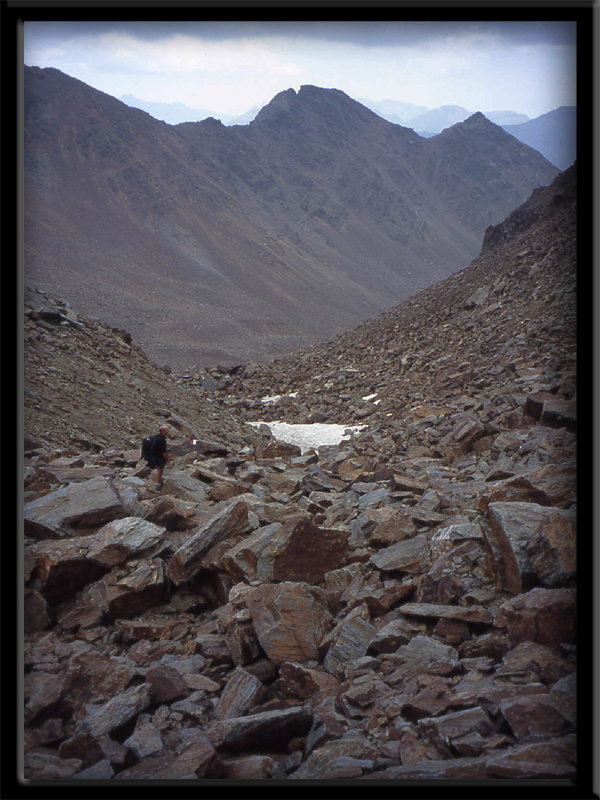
pixel 310 436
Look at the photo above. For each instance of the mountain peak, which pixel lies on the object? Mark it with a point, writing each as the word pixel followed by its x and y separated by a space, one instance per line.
pixel 333 105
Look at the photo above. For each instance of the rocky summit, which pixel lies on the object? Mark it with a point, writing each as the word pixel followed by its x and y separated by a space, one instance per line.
pixel 401 606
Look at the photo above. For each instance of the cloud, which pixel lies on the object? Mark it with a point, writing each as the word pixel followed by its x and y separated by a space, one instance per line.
pixel 184 54
pixel 230 67
pixel 368 33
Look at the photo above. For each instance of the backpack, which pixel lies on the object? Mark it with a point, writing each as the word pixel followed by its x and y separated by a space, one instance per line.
pixel 148 447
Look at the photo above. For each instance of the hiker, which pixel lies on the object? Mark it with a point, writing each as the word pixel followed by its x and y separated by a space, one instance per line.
pixel 155 453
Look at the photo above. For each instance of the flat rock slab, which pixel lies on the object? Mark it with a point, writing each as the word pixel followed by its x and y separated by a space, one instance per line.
pixel 409 555
pixel 535 716
pixel 122 539
pixel 192 759
pixel 78 505
pixel 186 561
pixel 461 613
pixel 351 641
pixel 269 730
pixel 127 705
pixel 336 760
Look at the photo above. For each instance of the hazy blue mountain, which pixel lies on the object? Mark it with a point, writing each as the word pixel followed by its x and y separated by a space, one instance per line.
pixel 506 117
pixel 431 121
pixel 438 119
pixel 244 119
pixel 173 113
pixel 395 110
pixel 554 135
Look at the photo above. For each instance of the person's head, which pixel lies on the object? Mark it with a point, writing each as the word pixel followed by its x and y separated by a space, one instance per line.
pixel 164 430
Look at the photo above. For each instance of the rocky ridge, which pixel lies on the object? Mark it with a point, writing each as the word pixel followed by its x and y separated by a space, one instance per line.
pixel 89 386
pixel 401 606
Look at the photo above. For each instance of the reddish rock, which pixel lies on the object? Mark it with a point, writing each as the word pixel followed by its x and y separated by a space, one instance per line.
pixel 532 659
pixel 130 595
pixel 535 716
pixel 473 614
pixel 410 555
pixel 186 562
pixel 248 768
pixel 138 630
pixel 268 730
pixel 276 449
pixel 84 747
pixel 35 612
pixel 166 684
pixel 431 701
pixel 553 550
pixel 306 552
pixel 240 694
pixel 195 758
pixel 93 676
pixel 350 640
pixel 290 620
pixel 547 616
pixel 511 529
pixel 297 680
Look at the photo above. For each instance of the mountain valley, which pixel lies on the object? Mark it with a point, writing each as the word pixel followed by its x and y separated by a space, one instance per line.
pixel 215 244
pixel 401 606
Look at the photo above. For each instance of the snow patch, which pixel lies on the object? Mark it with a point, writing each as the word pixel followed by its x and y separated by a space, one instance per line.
pixel 312 436
pixel 274 398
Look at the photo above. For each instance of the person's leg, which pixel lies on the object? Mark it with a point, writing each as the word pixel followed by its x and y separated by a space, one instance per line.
pixel 159 463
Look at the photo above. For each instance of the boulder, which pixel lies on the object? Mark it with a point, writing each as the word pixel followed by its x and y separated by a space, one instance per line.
pixel 166 684
pixel 290 620
pixel 66 566
pixel 123 539
pixel 553 550
pixel 187 560
pixel 193 758
pixel 535 716
pixel 296 551
pixel 265 731
pixel 547 616
pixel 240 694
pixel 121 708
pixel 87 504
pixel 511 528
pixel 350 640
pixel 410 555
pixel 129 595
pixel 461 613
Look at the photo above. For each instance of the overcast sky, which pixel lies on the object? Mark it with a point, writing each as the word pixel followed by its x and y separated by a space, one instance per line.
pixel 230 67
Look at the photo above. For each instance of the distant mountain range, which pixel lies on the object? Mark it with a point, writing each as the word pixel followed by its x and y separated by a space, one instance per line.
pixel 215 244
pixel 176 113
pixel 433 121
pixel 554 134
